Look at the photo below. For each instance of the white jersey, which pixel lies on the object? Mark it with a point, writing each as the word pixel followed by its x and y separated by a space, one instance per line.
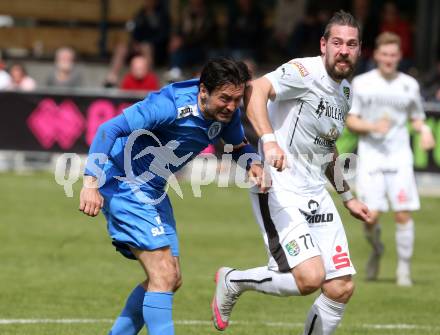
pixel 397 100
pixel 307 116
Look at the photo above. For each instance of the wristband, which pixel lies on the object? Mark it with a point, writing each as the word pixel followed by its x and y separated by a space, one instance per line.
pixel 268 138
pixel 346 196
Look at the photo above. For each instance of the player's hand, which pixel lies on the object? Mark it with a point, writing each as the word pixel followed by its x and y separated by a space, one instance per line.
pixel 90 200
pixel 359 210
pixel 427 141
pixel 274 155
pixel 382 126
pixel 258 175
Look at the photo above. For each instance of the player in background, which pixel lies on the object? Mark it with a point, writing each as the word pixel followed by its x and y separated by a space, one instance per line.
pixel 384 101
pixel 298 111
pixel 178 121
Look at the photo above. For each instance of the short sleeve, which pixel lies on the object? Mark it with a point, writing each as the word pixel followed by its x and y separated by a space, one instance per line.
pixel 151 113
pixel 233 132
pixel 289 81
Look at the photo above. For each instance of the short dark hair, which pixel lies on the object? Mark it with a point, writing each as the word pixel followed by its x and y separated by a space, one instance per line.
pixel 342 18
pixel 221 71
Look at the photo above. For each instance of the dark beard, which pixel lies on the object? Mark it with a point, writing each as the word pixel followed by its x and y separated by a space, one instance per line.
pixel 337 75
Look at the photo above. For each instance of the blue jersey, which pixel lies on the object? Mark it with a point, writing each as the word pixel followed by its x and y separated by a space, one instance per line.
pixel 157 136
pixel 177 132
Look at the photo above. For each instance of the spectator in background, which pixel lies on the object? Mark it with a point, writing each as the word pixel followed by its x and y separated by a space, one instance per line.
pixel 150 30
pixel 194 34
pixel 311 28
pixel 65 73
pixel 5 79
pixel 288 13
pixel 393 22
pixel 20 79
pixel 361 10
pixel 245 29
pixel 141 76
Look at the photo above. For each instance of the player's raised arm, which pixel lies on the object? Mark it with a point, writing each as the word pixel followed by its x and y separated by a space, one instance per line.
pixel 256 97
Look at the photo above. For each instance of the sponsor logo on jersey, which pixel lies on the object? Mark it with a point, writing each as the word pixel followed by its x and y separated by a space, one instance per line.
pixel 402 197
pixel 334 112
pixel 320 109
pixel 283 69
pixel 331 111
pixel 187 111
pixel 214 129
pixel 332 135
pixel 156 231
pixel 341 260
pixel 346 91
pixel 301 68
pixel 292 248
pixel 328 140
pixel 313 206
pixel 400 102
pixel 323 142
pixel 316 218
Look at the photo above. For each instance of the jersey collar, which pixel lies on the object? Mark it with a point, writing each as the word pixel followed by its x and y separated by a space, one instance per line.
pixel 329 80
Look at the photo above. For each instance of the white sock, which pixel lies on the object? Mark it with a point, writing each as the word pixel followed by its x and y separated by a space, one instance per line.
pixel 263 280
pixel 404 244
pixel 324 316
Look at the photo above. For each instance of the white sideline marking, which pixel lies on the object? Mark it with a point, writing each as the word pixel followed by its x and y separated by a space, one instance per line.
pixel 69 321
pixel 401 326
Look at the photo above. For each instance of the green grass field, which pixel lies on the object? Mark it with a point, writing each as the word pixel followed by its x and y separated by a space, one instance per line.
pixel 57 264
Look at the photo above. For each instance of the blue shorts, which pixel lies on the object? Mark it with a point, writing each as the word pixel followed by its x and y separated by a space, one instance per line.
pixel 132 223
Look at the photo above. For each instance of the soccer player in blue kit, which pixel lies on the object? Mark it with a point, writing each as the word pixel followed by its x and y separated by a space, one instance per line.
pixel 145 145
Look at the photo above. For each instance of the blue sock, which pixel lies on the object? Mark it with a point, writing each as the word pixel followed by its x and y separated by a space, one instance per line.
pixel 131 320
pixel 158 313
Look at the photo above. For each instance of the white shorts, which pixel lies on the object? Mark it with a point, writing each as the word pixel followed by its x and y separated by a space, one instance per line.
pixel 376 187
pixel 296 228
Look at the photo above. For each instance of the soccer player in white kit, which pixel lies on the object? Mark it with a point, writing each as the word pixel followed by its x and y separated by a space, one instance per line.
pixel 384 100
pixel 299 111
